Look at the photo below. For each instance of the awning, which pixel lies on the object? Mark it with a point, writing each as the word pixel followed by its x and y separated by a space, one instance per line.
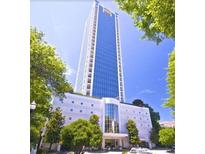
pixel 114 135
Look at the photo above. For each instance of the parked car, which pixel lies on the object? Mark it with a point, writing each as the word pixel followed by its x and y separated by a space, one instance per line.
pixel 134 150
pixel 139 151
pixel 172 150
pixel 108 148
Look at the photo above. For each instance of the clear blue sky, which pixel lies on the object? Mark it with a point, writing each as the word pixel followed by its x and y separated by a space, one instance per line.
pixel 144 62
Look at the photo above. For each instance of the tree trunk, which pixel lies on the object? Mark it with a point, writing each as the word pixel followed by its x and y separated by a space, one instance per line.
pixel 50 146
pixel 79 151
pixel 82 150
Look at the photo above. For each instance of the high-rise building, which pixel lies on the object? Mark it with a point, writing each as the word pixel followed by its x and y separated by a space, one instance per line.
pixel 100 74
pixel 100 70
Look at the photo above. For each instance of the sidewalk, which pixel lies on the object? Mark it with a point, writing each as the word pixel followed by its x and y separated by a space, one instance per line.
pixel 150 151
pixel 159 152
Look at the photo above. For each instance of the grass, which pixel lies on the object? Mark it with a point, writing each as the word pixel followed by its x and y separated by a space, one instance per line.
pixel 124 152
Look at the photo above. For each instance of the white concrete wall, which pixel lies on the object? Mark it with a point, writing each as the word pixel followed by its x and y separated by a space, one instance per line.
pixel 141 117
pixel 74 102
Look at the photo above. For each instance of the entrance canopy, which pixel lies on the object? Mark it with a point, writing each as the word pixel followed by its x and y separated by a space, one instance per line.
pixel 115 140
pixel 114 135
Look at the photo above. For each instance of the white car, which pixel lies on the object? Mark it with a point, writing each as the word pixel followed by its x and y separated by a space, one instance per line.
pixel 134 150
pixel 138 151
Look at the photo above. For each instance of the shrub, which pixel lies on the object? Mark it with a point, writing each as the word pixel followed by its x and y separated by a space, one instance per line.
pixel 124 152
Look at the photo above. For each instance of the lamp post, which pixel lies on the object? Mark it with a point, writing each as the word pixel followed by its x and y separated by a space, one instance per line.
pixel 32 106
pixel 39 142
pixel 42 133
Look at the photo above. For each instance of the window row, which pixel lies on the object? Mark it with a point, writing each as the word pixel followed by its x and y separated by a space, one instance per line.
pixel 136 111
pixel 81 111
pixel 81 103
pixel 139 118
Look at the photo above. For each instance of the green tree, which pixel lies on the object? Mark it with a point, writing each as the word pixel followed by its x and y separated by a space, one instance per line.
pixel 54 127
pixel 82 133
pixel 46 72
pixel 77 135
pixel 96 139
pixel 94 119
pixel 155 117
pixel 47 79
pixel 37 122
pixel 167 136
pixel 170 103
pixel 138 102
pixel 154 137
pixel 34 135
pixel 155 17
pixel 132 133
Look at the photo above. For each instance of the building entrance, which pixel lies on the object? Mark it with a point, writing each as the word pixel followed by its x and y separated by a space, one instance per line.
pixel 111 144
pixel 115 141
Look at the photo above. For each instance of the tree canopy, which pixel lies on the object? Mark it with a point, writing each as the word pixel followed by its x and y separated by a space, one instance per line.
pixel 154 136
pixel 47 70
pixel 76 135
pixel 96 139
pixel 132 133
pixel 81 133
pixel 171 82
pixel 54 127
pixel 47 79
pixel 138 102
pixel 94 119
pixel 155 17
pixel 167 136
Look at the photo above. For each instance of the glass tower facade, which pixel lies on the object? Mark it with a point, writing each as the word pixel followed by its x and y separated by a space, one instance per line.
pixel 100 71
pixel 105 83
pixel 111 118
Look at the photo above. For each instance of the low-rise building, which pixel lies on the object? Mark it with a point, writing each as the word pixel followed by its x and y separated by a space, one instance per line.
pixel 113 117
pixel 170 124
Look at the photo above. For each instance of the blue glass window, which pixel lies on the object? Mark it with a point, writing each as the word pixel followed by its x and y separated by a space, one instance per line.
pixel 105 82
pixel 111 118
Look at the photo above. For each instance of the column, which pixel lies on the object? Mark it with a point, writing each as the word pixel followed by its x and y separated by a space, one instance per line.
pixel 59 147
pixel 103 143
pixel 150 145
pixel 120 142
